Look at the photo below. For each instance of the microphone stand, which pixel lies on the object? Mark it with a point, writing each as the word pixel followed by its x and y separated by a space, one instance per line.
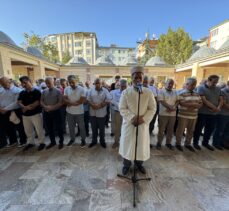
pixel 134 179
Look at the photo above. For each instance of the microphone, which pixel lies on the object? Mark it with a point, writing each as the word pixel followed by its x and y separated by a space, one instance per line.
pixel 139 87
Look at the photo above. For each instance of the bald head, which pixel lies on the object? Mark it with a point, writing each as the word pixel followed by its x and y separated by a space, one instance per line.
pixel 49 82
pixel 169 84
pixel 5 82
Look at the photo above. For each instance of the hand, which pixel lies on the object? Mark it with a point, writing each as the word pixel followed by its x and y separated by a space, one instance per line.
pixel 3 111
pixel 48 108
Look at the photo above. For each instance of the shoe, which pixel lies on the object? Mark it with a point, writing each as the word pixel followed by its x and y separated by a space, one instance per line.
pixel 28 146
pixel 61 145
pixel 83 144
pixel 141 169
pixel 180 148
pixel 196 146
pixel 208 146
pixel 112 134
pixel 169 146
pixel 190 148
pixel 158 146
pixel 91 144
pixel 115 145
pixel 125 170
pixel 11 145
pixel 50 145
pixel 41 147
pixel 70 143
pixel 21 145
pixel 218 147
pixel 103 144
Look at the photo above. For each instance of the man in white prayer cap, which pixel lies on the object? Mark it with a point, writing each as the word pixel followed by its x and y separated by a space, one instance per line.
pixel 128 107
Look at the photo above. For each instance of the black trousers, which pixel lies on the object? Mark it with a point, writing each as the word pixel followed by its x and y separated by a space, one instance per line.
pixel 152 123
pixel 98 123
pixel 20 127
pixel 53 122
pixel 127 163
pixel 208 122
pixel 7 129
pixel 86 121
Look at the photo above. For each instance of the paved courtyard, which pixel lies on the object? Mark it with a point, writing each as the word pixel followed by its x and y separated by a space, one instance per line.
pixel 86 179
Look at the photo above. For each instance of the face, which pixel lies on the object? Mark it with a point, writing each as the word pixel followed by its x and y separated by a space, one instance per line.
pixel 123 87
pixel 5 82
pixel 72 83
pixel 26 84
pixel 63 84
pixel 49 83
pixel 190 86
pixel 152 82
pixel 137 78
pixel 98 84
pixel 145 82
pixel 169 85
pixel 213 82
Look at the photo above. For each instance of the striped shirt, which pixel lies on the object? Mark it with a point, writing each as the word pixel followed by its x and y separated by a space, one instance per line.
pixel 191 97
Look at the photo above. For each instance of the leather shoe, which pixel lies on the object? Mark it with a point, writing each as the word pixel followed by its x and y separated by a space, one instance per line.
pixel 196 146
pixel 208 146
pixel 141 169
pixel 125 170
pixel 180 148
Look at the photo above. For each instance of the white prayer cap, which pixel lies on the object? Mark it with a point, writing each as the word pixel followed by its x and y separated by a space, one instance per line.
pixel 137 69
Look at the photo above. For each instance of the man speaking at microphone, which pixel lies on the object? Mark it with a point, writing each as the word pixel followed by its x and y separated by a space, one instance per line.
pixel 128 106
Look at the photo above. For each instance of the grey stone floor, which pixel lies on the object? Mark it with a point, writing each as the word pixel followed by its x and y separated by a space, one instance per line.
pixel 86 179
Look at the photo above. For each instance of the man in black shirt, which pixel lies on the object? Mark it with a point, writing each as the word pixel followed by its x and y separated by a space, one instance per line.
pixel 29 100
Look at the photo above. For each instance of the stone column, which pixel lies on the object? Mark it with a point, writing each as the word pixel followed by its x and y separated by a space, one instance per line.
pixel 5 64
pixel 197 72
pixel 39 71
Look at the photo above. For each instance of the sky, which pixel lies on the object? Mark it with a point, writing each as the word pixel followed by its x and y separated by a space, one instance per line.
pixel 120 22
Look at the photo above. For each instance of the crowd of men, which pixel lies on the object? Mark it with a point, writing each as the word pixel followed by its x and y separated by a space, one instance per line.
pixel 28 112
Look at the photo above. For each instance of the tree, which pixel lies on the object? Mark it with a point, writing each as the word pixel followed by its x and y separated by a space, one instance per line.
pixel 175 47
pixel 66 57
pixel 48 49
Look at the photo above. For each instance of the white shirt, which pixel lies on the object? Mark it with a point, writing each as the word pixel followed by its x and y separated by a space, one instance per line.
pixel 170 97
pixel 9 97
pixel 74 95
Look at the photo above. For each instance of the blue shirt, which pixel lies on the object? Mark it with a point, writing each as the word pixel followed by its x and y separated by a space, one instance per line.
pixel 225 93
pixel 116 94
pixel 97 97
pixel 8 98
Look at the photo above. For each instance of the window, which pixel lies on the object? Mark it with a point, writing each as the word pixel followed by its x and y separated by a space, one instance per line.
pixel 215 32
pixel 213 44
pixel 53 39
pixel 88 51
pixel 88 43
pixel 89 59
pixel 78 52
pixel 78 44
pixel 119 51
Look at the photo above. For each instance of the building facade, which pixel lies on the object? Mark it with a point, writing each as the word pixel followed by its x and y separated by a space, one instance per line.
pixel 81 44
pixel 116 54
pixel 219 35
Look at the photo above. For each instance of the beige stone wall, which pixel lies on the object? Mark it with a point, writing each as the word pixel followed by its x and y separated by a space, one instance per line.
pixel 109 72
pixel 180 78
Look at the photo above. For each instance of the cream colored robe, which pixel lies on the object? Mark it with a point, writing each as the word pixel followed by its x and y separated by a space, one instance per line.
pixel 128 106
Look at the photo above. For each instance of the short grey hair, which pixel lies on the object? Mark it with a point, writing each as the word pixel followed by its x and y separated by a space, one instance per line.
pixel 191 80
pixel 49 78
pixel 71 77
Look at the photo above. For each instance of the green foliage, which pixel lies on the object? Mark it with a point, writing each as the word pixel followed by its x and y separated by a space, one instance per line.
pixel 175 47
pixel 48 49
pixel 66 57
